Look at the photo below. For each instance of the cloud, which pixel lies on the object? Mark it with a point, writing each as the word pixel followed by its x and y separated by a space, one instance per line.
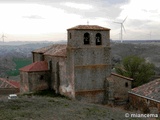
pixel 117 1
pixel 33 17
pixel 141 9
pixel 86 8
pixel 58 15
pixel 78 6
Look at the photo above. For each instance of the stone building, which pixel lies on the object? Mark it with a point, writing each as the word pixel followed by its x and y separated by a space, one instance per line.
pixel 117 87
pixel 8 86
pixel 80 70
pixel 146 98
pixel 34 77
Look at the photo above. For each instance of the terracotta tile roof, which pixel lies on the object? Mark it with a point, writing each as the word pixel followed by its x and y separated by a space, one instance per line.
pixel 35 67
pixel 54 50
pixel 149 90
pixel 127 78
pixel 88 27
pixel 57 50
pixel 15 83
pixel 5 83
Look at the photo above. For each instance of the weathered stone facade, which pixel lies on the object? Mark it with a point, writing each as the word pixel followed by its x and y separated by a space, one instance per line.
pixel 34 81
pixel 79 69
pixel 34 77
pixel 143 104
pixel 146 97
pixel 117 87
pixel 88 65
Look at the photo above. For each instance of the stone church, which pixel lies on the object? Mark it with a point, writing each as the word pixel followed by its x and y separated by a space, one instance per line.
pixel 80 69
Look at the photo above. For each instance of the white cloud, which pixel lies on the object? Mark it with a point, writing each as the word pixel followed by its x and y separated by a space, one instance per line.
pixel 13 20
pixel 78 5
pixel 143 18
pixel 141 9
pixel 52 17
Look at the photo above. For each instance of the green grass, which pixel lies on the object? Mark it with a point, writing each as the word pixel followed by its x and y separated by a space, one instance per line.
pixel 19 62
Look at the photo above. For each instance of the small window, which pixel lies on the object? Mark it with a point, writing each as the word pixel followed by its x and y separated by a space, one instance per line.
pixel 126 84
pixel 86 38
pixel 41 77
pixel 98 39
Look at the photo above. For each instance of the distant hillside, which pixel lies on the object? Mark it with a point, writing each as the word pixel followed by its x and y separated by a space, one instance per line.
pixel 149 50
pixel 8 54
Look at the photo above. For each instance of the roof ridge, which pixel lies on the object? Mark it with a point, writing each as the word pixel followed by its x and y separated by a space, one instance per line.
pixel 5 80
pixel 88 27
pixel 36 66
pixel 122 76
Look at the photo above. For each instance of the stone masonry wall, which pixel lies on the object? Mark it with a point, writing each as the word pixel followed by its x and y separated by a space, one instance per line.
pixel 78 36
pixel 24 85
pixel 88 65
pixel 55 77
pixel 143 104
pixel 38 80
pixel 121 88
pixel 37 57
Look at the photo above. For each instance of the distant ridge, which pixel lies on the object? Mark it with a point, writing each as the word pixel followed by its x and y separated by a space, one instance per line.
pixel 32 42
pixel 136 41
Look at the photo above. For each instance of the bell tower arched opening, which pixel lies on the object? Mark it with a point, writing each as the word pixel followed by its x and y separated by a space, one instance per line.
pixel 98 39
pixel 86 38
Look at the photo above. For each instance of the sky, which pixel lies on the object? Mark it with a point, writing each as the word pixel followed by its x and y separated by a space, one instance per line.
pixel 38 20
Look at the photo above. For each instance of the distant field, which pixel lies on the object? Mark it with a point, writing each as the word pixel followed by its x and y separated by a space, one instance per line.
pixel 19 62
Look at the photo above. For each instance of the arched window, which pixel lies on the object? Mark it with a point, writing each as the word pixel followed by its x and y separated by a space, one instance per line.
pixel 98 39
pixel 86 38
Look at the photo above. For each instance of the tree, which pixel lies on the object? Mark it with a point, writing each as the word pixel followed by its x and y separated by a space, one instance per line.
pixel 136 68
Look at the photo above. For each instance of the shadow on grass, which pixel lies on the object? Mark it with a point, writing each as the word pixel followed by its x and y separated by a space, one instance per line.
pixel 45 93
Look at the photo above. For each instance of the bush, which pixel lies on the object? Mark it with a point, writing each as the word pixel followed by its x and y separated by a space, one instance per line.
pixel 136 68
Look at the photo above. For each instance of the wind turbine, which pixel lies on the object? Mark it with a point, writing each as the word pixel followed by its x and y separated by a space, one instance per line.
pixel 3 36
pixel 122 28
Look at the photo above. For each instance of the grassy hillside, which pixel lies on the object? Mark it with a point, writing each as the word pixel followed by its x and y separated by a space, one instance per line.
pixel 57 108
pixel 19 63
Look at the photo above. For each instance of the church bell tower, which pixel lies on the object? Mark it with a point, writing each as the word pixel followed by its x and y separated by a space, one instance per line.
pixel 88 61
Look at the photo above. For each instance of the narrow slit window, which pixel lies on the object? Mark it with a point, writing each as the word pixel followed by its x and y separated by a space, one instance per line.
pixel 50 65
pixel 86 38
pixel 126 84
pixel 70 36
pixel 98 39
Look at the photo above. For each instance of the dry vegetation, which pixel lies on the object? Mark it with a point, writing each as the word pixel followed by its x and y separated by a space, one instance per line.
pixel 60 108
pixel 57 108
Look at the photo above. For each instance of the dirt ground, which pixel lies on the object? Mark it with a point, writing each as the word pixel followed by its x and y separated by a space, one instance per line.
pixel 58 108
